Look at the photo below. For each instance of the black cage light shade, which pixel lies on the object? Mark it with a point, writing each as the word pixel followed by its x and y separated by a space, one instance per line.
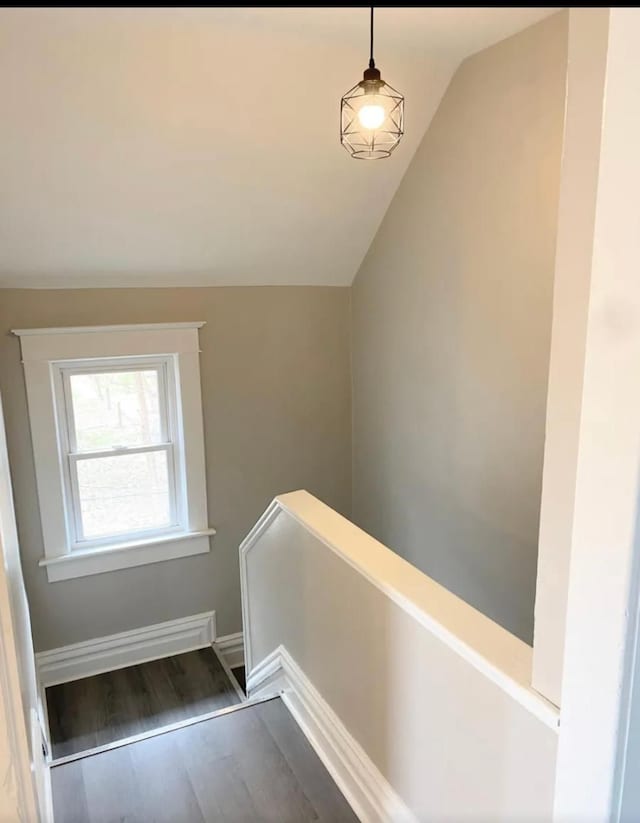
pixel 371 115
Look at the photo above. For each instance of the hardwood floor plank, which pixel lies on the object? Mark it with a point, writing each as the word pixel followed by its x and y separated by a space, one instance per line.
pixel 70 798
pixel 272 785
pixel 154 695
pixel 73 717
pixel 107 782
pixel 168 795
pixel 117 709
pixel 205 683
pixel 217 782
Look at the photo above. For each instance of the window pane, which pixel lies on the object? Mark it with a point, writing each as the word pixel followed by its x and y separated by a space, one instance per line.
pixel 119 408
pixel 124 493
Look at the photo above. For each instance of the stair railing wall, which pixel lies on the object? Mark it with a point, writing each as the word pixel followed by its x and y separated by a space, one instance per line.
pixel 431 696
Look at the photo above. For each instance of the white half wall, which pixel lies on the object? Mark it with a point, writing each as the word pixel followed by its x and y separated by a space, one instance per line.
pixel 433 692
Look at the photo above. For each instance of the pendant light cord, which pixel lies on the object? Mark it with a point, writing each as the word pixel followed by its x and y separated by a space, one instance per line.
pixel 371 61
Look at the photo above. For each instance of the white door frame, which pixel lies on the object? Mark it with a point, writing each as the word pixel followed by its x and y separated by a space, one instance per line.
pixel 25 788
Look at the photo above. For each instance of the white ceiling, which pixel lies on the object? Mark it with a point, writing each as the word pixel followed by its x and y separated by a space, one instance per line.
pixel 200 146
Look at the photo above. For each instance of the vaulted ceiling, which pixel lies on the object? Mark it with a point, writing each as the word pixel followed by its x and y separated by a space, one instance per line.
pixel 159 146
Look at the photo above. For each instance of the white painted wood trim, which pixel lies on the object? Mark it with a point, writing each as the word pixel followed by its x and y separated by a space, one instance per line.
pixel 128 648
pixel 370 796
pixel 41 770
pixel 128 546
pixel 267 678
pixel 136 342
pixel 231 647
pixel 491 649
pixel 272 512
pixel 42 354
pixel 196 324
pixel 579 185
pixel 17 788
pixel 44 439
pixel 126 555
pixel 192 441
pixel 24 777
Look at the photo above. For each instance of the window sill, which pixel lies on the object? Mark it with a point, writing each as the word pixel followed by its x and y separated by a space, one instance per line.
pixel 126 555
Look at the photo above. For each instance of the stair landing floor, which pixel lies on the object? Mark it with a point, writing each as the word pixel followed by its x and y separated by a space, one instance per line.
pixel 251 765
pixel 91 712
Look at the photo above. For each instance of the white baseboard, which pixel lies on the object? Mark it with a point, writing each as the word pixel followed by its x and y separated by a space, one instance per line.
pixel 268 678
pixel 126 649
pixel 231 649
pixel 367 791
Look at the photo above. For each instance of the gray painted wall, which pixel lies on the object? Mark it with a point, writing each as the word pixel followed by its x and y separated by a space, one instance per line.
pixel 276 383
pixel 451 332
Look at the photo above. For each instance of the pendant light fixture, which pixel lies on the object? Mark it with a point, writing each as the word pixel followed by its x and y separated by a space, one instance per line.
pixel 371 115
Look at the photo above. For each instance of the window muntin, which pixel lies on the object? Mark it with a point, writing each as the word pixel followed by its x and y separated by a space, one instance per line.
pixel 120 457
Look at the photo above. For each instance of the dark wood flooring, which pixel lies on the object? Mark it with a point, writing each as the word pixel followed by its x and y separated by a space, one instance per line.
pixel 96 710
pixel 253 765
pixel 240 675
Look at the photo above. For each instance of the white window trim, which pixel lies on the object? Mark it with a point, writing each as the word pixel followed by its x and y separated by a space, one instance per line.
pixel 43 352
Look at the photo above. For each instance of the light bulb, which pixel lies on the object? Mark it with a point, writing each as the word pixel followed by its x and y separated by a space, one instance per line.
pixel 371 116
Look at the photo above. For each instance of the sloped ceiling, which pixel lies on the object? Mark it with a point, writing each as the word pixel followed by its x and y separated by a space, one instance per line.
pixel 200 146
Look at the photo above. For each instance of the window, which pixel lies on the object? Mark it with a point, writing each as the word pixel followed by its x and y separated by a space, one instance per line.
pixel 118 445
pixel 122 460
